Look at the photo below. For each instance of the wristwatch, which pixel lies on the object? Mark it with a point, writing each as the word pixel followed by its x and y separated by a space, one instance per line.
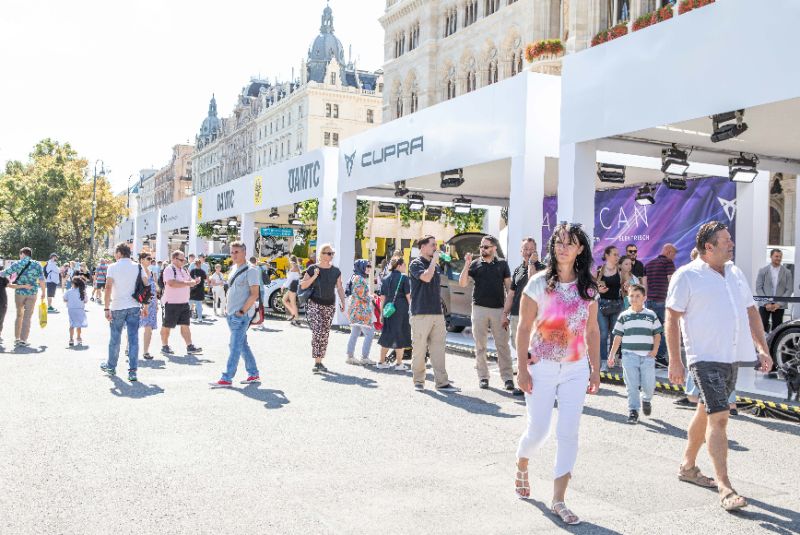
pixel 241 312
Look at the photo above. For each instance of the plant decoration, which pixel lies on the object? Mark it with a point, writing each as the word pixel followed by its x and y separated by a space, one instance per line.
pixel 333 208
pixel 471 222
pixel 504 214
pixel 610 34
pixel 407 216
pixel 688 5
pixel 362 218
pixel 307 211
pixel 551 47
pixel 654 17
pixel 205 230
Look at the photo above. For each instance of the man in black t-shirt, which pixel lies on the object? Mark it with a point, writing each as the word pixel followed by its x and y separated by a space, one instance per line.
pixel 638 267
pixel 428 332
pixel 197 293
pixel 492 279
pixel 519 279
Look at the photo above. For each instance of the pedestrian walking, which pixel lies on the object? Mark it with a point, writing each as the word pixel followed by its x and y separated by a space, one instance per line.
pixel 149 323
pixel 609 285
pixel 175 303
pixel 290 288
pixel 243 288
pixel 52 276
pixel 713 349
pixel 658 273
pixel 69 274
pixel 492 279
pixel 396 332
pixel 360 313
pixel 326 280
pixel 100 274
pixel 558 314
pixel 637 267
pixel 204 265
pixel 529 267
pixel 628 279
pixel 197 293
pixel 62 272
pixel 428 332
pixel 76 299
pixel 217 282
pixel 638 331
pixel 28 277
pixel 4 284
pixel 773 280
pixel 123 310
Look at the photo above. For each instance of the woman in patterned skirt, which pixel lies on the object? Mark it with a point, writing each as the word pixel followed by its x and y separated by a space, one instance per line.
pixel 149 322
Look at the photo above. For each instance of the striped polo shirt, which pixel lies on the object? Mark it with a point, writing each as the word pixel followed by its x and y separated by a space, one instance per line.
pixel 658 271
pixel 637 330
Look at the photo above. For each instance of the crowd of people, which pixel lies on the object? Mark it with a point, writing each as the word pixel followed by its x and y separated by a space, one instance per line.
pixel 566 320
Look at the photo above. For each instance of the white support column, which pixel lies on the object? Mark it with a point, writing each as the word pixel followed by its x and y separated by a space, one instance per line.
pixel 577 169
pixel 162 240
pixel 194 241
pixel 137 239
pixel 525 205
pixel 752 225
pixel 247 232
pixel 344 241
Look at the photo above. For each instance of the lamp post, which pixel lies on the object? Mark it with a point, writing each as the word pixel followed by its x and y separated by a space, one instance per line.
pixel 129 194
pixel 94 205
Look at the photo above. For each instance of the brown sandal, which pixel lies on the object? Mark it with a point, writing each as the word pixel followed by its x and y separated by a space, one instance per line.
pixel 694 476
pixel 731 501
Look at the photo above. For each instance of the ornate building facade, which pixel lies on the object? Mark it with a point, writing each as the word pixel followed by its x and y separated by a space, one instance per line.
pixel 167 185
pixel 273 122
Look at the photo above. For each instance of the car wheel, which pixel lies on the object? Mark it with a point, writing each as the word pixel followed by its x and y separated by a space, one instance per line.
pixel 787 346
pixel 452 328
pixel 276 302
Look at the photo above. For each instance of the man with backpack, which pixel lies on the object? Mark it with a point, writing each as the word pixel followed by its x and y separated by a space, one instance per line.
pixel 124 304
pixel 175 298
pixel 28 276
pixel 243 293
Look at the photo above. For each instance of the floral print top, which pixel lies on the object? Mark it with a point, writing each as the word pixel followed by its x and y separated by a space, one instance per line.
pixel 360 311
pixel 560 325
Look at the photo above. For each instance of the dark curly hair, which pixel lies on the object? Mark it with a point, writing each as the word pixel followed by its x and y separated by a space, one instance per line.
pixel 587 287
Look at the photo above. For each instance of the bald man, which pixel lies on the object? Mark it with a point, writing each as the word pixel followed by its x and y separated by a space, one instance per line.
pixel 658 273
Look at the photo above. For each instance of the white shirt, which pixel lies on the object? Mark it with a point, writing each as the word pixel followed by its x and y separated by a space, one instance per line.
pixel 714 323
pixel 53 274
pixel 123 273
pixel 774 271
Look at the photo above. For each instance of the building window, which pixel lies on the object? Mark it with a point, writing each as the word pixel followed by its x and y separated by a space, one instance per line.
pixel 333 78
pixel 492 74
pixel 414 102
pixel 450 22
pixel 335 111
pixel 328 110
pixel 470 12
pixel 399 106
pixel 511 2
pixel 327 138
pixel 399 44
pixel 492 6
pixel 335 139
pixel 413 41
pixel 471 81
pixel 451 90
pixel 370 116
pixel 516 62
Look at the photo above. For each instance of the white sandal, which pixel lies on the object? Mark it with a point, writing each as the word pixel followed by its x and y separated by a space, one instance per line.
pixel 567 516
pixel 522 483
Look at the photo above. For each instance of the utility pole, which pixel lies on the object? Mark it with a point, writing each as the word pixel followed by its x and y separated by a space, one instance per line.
pixel 94 207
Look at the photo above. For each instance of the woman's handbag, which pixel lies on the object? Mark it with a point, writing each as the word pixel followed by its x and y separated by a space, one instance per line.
pixel 304 294
pixel 609 307
pixel 389 309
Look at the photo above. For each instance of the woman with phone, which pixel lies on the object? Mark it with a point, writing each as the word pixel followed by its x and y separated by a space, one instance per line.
pixel 609 285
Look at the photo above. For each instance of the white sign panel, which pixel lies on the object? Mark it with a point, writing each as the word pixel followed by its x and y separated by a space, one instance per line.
pixel 126 230
pixel 176 216
pixel 299 179
pixel 237 197
pixel 146 224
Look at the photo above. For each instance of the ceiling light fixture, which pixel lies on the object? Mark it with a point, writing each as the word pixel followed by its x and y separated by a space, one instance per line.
pixel 674 161
pixel 744 168
pixel 273 214
pixel 735 125
pixel 611 172
pixel 452 178
pixel 387 208
pixel 462 205
pixel 433 212
pixel 675 182
pixel 400 189
pixel 646 196
pixel 416 202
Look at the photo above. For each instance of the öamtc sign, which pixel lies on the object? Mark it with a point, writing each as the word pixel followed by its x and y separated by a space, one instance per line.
pixel 230 199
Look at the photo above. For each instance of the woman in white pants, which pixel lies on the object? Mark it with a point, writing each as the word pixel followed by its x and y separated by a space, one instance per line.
pixel 217 283
pixel 558 320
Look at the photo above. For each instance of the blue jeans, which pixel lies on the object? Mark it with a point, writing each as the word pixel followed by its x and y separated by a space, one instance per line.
pixel 638 371
pixel 606 326
pixel 239 347
pixel 692 390
pixel 659 307
pixel 120 319
pixel 355 332
pixel 198 309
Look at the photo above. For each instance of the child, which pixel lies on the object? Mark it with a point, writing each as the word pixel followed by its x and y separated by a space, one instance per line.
pixel 639 332
pixel 76 299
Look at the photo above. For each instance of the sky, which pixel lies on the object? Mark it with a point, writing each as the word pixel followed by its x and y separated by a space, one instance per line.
pixel 126 81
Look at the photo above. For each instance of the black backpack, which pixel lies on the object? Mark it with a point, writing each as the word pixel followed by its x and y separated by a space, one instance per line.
pixel 142 292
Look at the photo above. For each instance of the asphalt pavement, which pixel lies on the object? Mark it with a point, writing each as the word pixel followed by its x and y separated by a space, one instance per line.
pixel 353 451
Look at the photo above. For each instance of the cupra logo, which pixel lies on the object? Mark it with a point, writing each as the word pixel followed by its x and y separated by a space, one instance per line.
pixel 349 160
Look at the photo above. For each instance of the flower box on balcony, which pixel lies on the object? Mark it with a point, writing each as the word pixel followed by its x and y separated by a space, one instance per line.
pixel 654 17
pixel 612 33
pixel 549 48
pixel 688 5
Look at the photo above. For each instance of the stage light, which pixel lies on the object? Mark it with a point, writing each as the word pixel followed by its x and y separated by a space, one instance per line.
pixel 675 182
pixel 273 214
pixel 452 178
pixel 610 172
pixel 674 161
pixel 295 220
pixel 400 189
pixel 462 205
pixel 218 227
pixel 386 208
pixel 744 168
pixel 416 202
pixel 232 222
pixel 433 212
pixel 646 195
pixel 735 125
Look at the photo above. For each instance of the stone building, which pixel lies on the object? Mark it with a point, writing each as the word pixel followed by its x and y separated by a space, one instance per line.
pixel 275 121
pixel 171 183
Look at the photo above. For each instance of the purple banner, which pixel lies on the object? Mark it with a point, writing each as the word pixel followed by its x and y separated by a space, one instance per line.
pixel 674 218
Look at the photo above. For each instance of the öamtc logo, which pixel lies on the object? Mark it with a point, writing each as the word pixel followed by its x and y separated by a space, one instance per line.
pixel 225 200
pixel 304 177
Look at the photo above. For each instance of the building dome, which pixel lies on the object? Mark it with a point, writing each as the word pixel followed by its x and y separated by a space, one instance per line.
pixel 211 126
pixel 324 48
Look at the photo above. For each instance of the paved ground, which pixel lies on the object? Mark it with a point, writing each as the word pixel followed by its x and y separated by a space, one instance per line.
pixel 356 451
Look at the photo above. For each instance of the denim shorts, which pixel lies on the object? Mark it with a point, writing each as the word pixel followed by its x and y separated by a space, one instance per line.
pixel 716 381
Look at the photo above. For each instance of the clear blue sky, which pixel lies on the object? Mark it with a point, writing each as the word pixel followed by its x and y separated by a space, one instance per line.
pixel 125 82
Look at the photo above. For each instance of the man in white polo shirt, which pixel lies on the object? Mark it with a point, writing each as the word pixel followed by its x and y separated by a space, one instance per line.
pixel 712 300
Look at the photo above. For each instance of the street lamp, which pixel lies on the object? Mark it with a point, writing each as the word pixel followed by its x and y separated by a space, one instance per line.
pixel 129 193
pixel 94 205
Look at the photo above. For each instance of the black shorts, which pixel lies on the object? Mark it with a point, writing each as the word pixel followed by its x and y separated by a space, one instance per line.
pixel 51 289
pixel 176 314
pixel 100 285
pixel 716 381
pixel 293 286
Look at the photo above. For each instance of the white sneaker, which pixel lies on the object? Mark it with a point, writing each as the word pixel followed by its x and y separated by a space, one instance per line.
pixel 401 368
pixel 351 360
pixel 367 362
pixel 383 366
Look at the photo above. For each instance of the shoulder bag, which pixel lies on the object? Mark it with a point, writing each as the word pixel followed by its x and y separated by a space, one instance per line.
pixel 304 294
pixel 389 309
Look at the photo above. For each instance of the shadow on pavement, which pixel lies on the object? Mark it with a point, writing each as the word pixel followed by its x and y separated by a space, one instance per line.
pixel 468 403
pixel 583 527
pixel 155 364
pixel 188 360
pixel 783 521
pixel 272 399
pixel 771 424
pixel 342 379
pixel 82 347
pixel 22 350
pixel 609 393
pixel 135 390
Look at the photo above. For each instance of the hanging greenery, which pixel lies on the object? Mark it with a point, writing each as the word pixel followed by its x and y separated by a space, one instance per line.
pixel 333 208
pixel 308 210
pixel 205 230
pixel 407 216
pixel 471 222
pixel 362 218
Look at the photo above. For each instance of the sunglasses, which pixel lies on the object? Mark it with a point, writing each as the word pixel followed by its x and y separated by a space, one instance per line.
pixel 181 259
pixel 632 251
pixel 149 259
pixel 330 253
pixel 486 246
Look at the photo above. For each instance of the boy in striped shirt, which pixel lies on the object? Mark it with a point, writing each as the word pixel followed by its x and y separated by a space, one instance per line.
pixel 638 330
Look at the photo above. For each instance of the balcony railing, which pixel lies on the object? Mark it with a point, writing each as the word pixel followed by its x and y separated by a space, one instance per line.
pixel 545 56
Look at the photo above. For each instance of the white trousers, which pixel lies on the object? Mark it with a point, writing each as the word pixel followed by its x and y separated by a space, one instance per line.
pixel 567 382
